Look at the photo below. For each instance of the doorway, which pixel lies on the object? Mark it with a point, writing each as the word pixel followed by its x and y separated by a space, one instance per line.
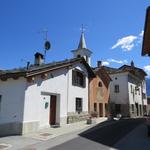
pixel 101 109
pixel 52 119
pixel 137 108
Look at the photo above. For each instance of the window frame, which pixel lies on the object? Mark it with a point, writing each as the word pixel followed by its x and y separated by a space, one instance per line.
pixel 95 107
pixel 78 105
pixel 116 88
pixel 78 78
pixel 100 84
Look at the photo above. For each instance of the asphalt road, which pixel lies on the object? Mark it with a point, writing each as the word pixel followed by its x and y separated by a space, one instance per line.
pixel 101 137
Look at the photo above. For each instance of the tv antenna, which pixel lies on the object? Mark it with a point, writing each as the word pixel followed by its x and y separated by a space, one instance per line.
pixel 47 44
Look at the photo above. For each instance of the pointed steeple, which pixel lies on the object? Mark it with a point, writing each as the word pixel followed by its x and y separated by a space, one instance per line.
pixel 82 50
pixel 82 43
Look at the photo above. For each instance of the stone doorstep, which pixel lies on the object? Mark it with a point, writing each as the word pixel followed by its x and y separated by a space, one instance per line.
pixel 4 146
pixel 43 136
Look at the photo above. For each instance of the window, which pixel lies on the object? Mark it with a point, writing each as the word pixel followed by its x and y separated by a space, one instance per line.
pixel 116 89
pixel 135 91
pixel 0 103
pixel 132 106
pixel 131 88
pixel 100 84
pixel 139 92
pixel 141 110
pixel 143 95
pixel 78 56
pixel 95 107
pixel 78 78
pixel 78 105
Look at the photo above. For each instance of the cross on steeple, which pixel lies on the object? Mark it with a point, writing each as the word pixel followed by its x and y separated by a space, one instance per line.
pixel 82 28
pixel 82 50
pixel 82 43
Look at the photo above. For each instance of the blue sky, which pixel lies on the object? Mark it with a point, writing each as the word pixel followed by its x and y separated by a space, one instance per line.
pixel 113 30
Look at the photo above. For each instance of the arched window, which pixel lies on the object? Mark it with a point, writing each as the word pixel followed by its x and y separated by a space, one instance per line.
pixel 100 84
pixel 78 56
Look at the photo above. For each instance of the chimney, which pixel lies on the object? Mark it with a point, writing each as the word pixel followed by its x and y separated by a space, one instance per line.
pixel 39 58
pixel 99 64
pixel 28 65
pixel 132 64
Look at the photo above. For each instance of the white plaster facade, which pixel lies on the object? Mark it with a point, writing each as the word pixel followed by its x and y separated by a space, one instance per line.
pixel 130 95
pixel 28 103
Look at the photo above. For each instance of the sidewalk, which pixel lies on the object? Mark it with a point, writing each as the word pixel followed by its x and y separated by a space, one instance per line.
pixel 19 142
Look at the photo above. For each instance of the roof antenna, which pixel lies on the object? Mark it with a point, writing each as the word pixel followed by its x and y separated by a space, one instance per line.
pixel 47 44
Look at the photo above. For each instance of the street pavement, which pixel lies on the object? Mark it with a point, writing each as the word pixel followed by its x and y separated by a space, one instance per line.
pixel 102 138
pixel 42 138
pixel 124 134
pixel 136 140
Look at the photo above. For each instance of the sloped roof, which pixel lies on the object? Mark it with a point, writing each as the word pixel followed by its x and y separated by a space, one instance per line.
pixel 82 43
pixel 38 69
pixel 146 37
pixel 110 70
pixel 102 73
pixel 129 68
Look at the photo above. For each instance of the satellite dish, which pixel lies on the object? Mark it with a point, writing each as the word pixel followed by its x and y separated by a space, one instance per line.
pixel 47 45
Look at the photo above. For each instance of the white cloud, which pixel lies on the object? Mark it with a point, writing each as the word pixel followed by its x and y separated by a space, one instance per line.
pixel 117 61
pixel 147 69
pixel 142 33
pixel 140 38
pixel 105 63
pixel 127 43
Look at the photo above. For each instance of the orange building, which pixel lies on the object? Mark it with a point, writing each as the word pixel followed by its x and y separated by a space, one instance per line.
pixel 99 92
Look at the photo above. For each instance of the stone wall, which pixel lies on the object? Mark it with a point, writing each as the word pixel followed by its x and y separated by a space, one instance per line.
pixel 76 117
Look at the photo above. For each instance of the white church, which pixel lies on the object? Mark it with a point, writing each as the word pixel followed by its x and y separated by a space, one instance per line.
pixel 43 95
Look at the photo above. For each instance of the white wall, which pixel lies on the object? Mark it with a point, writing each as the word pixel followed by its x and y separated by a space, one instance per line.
pixel 133 96
pixel 12 105
pixel 122 81
pixel 144 91
pixel 55 85
pixel 77 92
pixel 44 115
pixel 34 104
pixel 25 102
pixel 125 95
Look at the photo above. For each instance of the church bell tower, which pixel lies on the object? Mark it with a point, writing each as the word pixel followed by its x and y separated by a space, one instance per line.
pixel 82 50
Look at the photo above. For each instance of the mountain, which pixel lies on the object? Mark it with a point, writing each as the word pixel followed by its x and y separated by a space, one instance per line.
pixel 148 86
